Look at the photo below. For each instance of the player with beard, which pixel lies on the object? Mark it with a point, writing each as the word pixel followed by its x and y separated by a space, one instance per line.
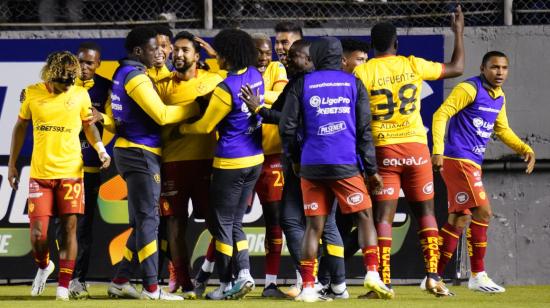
pixel 186 162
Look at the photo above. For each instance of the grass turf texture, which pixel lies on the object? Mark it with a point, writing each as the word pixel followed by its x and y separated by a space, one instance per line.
pixel 406 296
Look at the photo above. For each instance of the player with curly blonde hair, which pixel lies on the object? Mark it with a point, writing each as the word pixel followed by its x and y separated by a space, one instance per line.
pixel 59 110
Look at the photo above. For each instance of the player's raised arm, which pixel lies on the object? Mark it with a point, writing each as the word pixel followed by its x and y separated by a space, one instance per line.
pixel 455 68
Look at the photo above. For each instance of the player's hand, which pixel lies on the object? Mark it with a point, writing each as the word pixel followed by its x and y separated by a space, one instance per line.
pixel 13 177
pixel 210 51
pixel 96 116
pixel 105 160
pixel 251 99
pixel 457 21
pixel 437 162
pixel 375 183
pixel 529 158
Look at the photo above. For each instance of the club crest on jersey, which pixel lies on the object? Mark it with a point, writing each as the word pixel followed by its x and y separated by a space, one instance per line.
pixel 156 177
pixel 70 104
pixel 462 197
pixel 355 198
pixel 428 188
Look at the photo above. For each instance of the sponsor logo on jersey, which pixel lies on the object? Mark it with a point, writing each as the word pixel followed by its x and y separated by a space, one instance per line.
pixel 313 206
pixel 462 197
pixel 315 101
pixel 331 128
pixel 387 191
pixel 479 149
pixel 355 198
pixel 409 161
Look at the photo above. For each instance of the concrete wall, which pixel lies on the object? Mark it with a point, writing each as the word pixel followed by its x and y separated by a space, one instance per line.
pixel 519 236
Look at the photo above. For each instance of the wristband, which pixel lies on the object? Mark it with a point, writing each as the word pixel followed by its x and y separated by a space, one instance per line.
pixel 99 147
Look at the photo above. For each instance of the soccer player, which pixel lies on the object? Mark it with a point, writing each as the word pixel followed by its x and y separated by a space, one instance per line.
pixel 394 84
pixel 89 56
pixel 286 33
pixel 58 111
pixel 137 113
pixel 162 67
pixel 237 162
pixel 474 110
pixel 355 53
pixel 186 162
pixel 270 184
pixel 329 108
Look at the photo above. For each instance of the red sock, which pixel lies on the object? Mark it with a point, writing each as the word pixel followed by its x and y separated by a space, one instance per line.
pixel 273 247
pixel 42 259
pixel 308 270
pixel 211 251
pixel 151 288
pixel 478 244
pixel 66 268
pixel 448 240
pixel 118 280
pixel 370 258
pixel 384 249
pixel 429 235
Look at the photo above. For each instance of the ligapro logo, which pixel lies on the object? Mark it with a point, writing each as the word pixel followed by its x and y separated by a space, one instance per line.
pixel 315 101
pixel 478 122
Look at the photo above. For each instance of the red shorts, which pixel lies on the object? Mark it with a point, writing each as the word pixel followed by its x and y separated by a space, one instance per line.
pixel 270 183
pixel 55 197
pixel 407 166
pixel 464 186
pixel 319 195
pixel 184 180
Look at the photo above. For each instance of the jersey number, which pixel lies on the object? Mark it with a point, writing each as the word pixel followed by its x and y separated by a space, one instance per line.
pixel 391 105
pixel 73 191
pixel 280 180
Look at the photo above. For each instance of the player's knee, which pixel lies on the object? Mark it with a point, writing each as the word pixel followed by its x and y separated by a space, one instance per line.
pixel 483 213
pixel 460 221
pixel 37 235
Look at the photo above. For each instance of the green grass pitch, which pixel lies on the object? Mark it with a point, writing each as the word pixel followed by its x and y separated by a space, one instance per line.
pixel 406 296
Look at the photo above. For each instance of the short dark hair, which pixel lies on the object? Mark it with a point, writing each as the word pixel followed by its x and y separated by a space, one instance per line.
pixel 90 45
pixel 138 37
pixel 383 36
pixel 164 30
pixel 491 54
pixel 300 44
pixel 184 35
pixel 351 45
pixel 287 26
pixel 236 47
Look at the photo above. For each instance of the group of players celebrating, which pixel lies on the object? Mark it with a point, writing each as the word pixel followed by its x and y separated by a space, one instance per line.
pixel 338 128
